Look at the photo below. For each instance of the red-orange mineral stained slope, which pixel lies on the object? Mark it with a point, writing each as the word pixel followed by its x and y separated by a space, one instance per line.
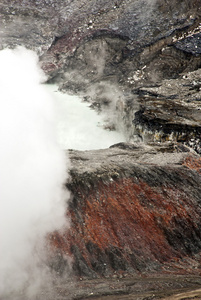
pixel 157 224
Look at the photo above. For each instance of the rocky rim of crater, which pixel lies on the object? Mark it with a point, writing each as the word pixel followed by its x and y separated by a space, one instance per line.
pixel 135 207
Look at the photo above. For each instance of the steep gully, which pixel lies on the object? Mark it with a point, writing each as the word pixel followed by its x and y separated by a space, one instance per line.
pixel 135 207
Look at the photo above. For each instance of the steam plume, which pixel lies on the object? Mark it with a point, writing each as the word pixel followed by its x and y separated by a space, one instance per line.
pixel 32 172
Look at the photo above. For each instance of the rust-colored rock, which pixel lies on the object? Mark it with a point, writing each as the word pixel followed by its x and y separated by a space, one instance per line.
pixel 193 163
pixel 133 217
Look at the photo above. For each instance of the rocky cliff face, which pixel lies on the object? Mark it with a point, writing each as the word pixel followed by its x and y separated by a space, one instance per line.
pixel 135 208
pixel 135 221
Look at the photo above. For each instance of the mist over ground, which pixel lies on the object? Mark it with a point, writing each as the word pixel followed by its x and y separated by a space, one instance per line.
pixel 32 173
pixel 80 127
pixel 34 126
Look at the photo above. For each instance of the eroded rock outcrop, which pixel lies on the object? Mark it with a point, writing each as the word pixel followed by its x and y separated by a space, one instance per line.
pixel 171 111
pixel 134 209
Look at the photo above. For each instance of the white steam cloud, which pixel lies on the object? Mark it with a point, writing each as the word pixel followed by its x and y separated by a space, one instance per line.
pixel 32 173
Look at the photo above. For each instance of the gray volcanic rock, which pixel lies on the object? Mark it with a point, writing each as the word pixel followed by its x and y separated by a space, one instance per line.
pixel 171 111
pixel 135 208
pixel 63 26
pixel 26 24
pixel 127 38
pixel 127 42
pixel 191 44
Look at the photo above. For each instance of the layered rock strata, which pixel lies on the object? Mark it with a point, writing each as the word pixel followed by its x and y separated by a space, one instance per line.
pixel 134 210
pixel 171 111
